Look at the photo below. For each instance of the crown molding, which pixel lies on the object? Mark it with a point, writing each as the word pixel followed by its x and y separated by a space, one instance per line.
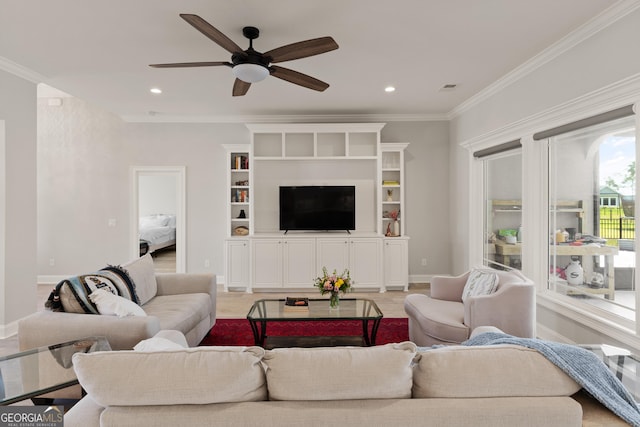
pixel 304 118
pixel 582 33
pixel 20 71
pixel 607 98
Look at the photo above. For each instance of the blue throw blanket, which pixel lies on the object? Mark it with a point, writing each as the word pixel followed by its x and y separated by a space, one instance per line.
pixel 580 364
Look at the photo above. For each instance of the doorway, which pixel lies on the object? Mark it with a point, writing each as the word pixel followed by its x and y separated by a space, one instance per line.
pixel 158 215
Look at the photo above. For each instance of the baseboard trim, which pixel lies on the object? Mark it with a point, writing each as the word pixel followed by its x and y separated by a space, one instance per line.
pixel 549 334
pixel 50 279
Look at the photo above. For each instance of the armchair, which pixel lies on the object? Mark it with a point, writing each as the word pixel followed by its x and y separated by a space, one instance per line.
pixel 443 318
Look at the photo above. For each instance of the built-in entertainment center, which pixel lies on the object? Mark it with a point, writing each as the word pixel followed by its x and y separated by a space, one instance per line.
pixel 306 196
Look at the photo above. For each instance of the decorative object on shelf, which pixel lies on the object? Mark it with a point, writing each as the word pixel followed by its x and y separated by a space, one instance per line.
pixel 333 284
pixel 396 225
pixel 241 230
pixel 242 214
pixel 389 195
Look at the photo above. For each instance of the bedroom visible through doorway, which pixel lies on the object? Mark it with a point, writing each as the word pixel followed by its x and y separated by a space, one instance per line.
pixel 159 216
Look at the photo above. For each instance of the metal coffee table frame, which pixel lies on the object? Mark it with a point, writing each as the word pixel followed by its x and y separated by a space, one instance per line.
pixel 365 310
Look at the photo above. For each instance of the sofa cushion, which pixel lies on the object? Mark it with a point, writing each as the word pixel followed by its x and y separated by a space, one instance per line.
pixel 142 273
pixel 338 373
pixel 198 375
pixel 488 371
pixel 110 304
pixel 480 282
pixel 181 312
pixel 443 320
pixel 73 292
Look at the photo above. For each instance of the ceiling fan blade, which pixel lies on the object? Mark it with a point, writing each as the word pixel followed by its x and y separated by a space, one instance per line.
pixel 211 32
pixel 301 49
pixel 191 64
pixel 240 88
pixel 298 78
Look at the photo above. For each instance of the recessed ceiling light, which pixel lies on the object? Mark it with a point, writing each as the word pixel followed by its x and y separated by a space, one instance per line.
pixel 156 90
pixel 389 89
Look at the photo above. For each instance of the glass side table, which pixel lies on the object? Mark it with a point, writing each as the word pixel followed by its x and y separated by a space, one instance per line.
pixel 34 372
pixel 624 365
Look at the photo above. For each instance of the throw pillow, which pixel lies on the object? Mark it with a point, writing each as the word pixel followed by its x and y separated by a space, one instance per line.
pixel 72 294
pixel 480 282
pixel 111 304
pixel 143 275
pixel 157 344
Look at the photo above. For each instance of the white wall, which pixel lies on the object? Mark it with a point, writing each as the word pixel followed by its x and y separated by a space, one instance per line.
pixel 157 194
pixel 83 181
pixel 17 201
pixel 67 146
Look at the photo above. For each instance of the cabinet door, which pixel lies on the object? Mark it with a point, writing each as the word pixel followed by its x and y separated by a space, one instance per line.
pixel 299 262
pixel 396 264
pixel 237 265
pixel 332 254
pixel 365 262
pixel 266 256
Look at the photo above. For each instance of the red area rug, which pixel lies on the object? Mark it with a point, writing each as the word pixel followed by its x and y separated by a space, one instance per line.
pixel 238 331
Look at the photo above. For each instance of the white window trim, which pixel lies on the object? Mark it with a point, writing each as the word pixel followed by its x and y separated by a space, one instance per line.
pixel 534 220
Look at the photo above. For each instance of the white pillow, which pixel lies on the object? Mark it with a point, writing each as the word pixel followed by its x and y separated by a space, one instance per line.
pixel 157 344
pixel 480 282
pixel 153 221
pixel 111 304
pixel 142 273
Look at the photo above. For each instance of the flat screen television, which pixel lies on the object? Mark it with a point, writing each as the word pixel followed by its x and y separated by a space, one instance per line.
pixel 318 208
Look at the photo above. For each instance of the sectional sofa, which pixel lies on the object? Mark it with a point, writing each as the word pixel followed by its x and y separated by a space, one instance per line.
pixel 388 385
pixel 182 302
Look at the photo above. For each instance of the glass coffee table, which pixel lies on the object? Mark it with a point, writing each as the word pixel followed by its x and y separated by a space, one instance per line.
pixel 34 372
pixel 266 311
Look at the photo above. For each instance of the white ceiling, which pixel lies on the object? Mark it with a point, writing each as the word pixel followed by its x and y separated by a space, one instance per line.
pixel 100 50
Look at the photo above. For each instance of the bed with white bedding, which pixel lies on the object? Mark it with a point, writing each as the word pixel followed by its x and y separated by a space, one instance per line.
pixel 158 231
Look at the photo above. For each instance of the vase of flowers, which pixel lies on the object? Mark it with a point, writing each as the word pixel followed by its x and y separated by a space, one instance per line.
pixel 333 284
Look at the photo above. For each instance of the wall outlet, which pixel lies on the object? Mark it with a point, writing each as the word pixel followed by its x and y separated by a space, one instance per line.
pixel 207 263
pixel 423 262
pixel 52 262
pixel 111 222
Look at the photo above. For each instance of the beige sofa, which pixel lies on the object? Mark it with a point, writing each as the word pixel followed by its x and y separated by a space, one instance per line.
pixel 388 385
pixel 182 302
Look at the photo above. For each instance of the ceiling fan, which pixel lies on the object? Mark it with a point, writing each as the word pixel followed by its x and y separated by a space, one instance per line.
pixel 250 66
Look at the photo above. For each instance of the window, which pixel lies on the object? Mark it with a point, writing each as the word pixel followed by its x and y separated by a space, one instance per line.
pixel 503 209
pixel 591 234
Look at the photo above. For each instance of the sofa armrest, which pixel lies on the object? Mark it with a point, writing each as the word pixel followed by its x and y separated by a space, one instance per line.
pixel 46 328
pixel 512 309
pixel 448 288
pixel 188 283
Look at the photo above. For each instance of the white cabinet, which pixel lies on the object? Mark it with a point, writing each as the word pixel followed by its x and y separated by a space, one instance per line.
pixel 237 264
pixel 333 253
pixel 266 263
pixel 361 256
pixel 299 256
pixel 365 263
pixel 396 259
pixel 283 263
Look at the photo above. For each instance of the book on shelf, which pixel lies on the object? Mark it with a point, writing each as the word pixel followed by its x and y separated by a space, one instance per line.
pixel 296 304
pixel 390 182
pixel 240 162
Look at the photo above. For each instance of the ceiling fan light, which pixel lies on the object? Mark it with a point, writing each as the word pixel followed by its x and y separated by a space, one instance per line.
pixel 250 73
